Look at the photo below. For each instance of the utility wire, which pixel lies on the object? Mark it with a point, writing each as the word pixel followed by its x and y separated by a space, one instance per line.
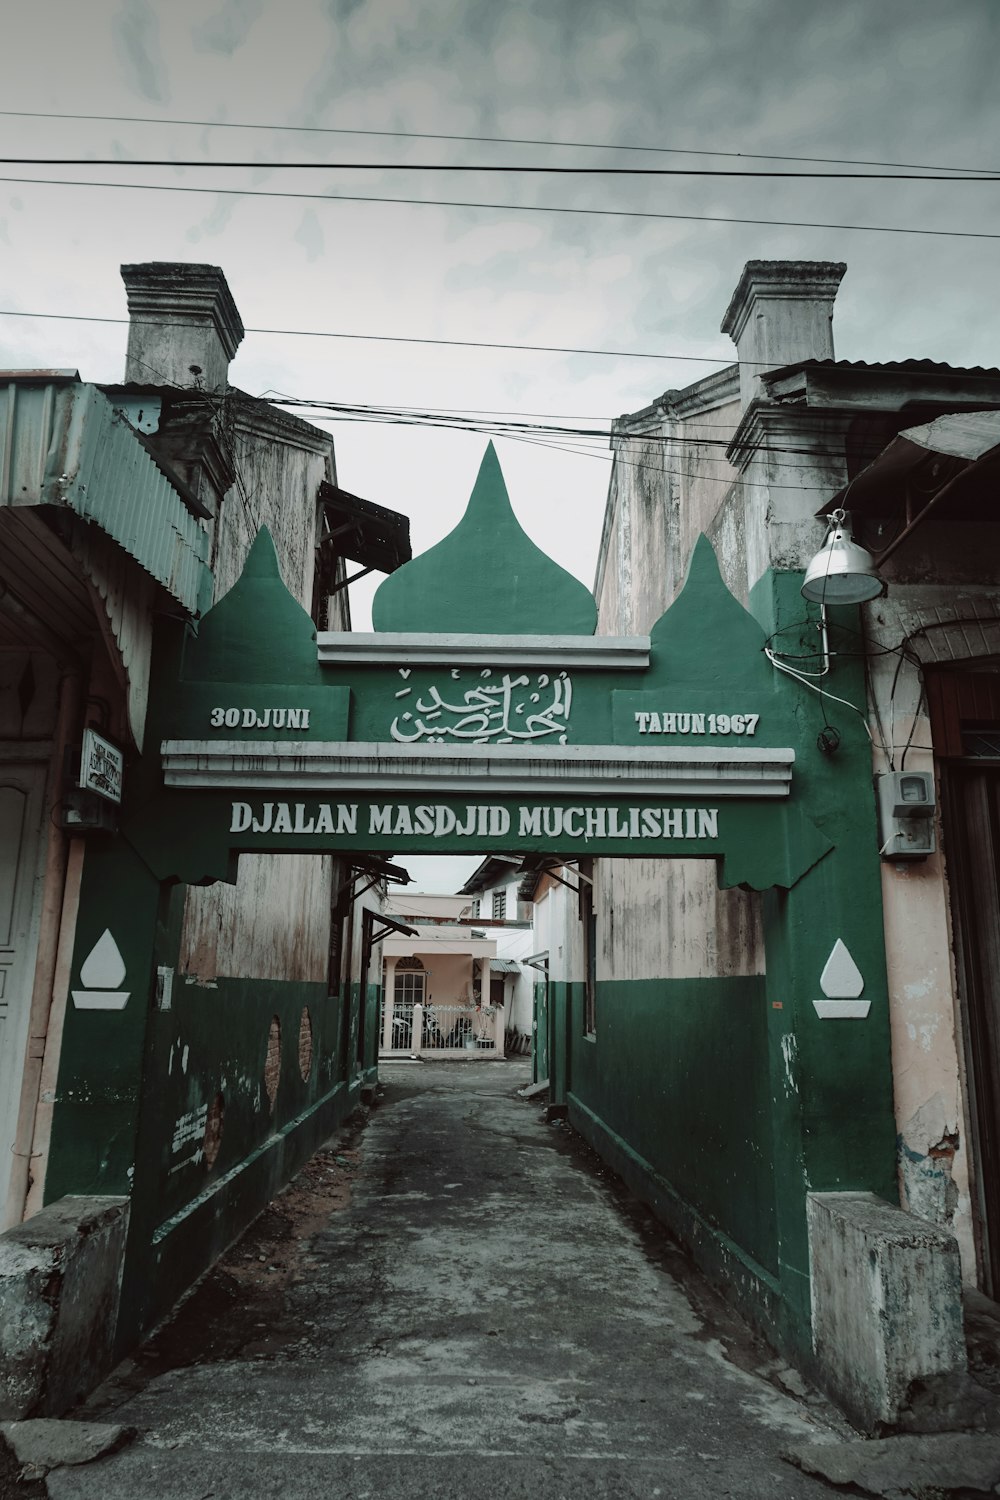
pixel 489 140
pixel 395 338
pixel 500 167
pixel 517 208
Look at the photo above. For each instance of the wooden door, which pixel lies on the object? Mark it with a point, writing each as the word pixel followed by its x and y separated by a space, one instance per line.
pixel 21 795
pixel 972 832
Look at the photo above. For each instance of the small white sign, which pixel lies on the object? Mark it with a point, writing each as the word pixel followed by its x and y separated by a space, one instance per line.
pixel 102 766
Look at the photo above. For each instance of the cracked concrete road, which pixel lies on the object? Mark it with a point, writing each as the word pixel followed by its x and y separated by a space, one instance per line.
pixel 461 1303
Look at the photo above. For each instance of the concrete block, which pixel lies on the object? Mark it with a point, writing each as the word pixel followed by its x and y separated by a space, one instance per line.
pixel 47 1443
pixel 886 1303
pixel 60 1281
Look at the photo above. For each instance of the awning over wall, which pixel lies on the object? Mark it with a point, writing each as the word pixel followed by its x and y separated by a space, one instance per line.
pixel 960 452
pixel 63 444
pixel 365 533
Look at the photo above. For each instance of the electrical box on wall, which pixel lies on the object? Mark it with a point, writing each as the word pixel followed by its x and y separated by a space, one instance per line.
pixel 906 814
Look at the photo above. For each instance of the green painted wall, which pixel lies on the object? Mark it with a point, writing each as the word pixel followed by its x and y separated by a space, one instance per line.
pixel 679 1070
pixel 725 1101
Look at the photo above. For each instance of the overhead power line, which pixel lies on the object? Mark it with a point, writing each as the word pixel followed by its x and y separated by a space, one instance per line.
pixel 726 361
pixel 504 168
pixel 488 140
pixel 516 208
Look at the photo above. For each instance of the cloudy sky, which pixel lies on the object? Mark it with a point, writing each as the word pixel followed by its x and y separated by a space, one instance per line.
pixel 913 82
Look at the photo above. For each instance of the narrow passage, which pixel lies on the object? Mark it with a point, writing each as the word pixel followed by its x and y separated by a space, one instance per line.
pixel 455 1302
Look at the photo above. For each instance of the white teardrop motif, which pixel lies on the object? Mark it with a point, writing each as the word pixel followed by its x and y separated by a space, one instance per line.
pixel 841 978
pixel 104 967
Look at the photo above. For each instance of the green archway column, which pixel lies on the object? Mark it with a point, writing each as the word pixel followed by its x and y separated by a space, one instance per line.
pixel 99 1089
pixel 830 1076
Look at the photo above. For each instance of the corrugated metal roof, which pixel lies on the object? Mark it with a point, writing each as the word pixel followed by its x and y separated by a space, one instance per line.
pixel 504 966
pixel 891 366
pixel 62 443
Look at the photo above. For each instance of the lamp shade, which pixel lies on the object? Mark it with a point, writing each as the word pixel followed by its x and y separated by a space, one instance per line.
pixel 841 572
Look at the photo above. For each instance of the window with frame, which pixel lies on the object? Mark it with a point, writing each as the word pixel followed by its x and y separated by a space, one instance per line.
pixel 500 906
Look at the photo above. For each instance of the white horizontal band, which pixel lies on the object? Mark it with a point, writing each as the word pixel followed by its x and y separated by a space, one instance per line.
pixel 558 653
pixel 457 770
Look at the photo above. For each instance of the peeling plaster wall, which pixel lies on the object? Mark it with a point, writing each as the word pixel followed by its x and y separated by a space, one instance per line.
pixel 252 927
pixel 666 919
pixel 932 1112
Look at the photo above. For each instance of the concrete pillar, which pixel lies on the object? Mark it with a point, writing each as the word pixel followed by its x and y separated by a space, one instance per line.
pixel 388 1002
pixel 417 1038
pixel 886 1303
pixel 184 327
pixel 498 1029
pixel 781 312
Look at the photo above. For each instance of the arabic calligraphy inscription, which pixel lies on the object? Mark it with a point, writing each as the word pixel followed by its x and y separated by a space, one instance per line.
pixel 494 711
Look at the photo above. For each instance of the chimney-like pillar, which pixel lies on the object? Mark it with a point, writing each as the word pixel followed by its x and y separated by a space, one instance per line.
pixel 184 327
pixel 781 312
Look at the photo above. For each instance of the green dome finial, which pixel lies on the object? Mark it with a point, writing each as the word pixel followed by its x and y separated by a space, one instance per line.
pixel 486 577
pixel 258 631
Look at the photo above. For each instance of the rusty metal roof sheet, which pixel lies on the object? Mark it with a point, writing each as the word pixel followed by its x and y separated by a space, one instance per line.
pixel 889 367
pixel 62 443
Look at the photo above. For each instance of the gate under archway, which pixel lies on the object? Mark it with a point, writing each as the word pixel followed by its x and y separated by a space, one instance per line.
pixel 484 714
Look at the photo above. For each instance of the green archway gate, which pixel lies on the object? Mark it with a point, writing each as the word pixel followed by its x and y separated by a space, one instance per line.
pixel 484 714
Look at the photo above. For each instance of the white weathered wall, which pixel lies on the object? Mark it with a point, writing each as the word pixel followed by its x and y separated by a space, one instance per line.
pixel 666 919
pixel 274 923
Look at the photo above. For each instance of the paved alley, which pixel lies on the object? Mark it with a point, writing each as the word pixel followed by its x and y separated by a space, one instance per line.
pixel 455 1301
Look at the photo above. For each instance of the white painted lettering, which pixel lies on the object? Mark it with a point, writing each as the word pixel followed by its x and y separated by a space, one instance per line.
pixel 218 718
pixel 616 830
pixel 655 724
pixel 552 822
pixel 499 822
pixel 380 819
pixel 469 826
pixel 347 817
pixel 242 817
pixel 301 826
pixel 444 822
pixel 697 723
pixel 597 820
pixel 708 822
pixel 689 823
pixel 423 819
pixel 324 818
pixel 249 718
pixel 263 823
pixel 404 823
pixel 278 717
pixel 282 820
pixel 673 823
pixel 574 830
pixel 643 722
pixel 232 718
pixel 669 723
pixel 264 722
pixel 651 825
pixel 530 822
pixel 633 822
pixel 295 718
